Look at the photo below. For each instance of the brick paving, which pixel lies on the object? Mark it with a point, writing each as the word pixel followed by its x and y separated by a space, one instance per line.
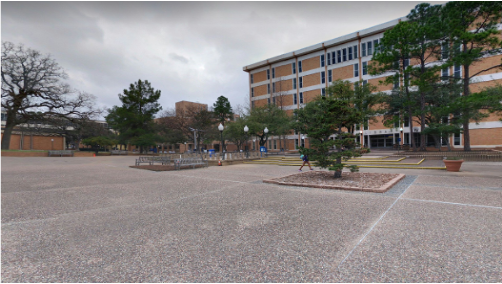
pixel 97 220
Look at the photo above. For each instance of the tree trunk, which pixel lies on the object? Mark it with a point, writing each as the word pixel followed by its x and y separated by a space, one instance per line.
pixel 412 135
pixel 448 143
pixel 338 174
pixel 6 136
pixel 467 138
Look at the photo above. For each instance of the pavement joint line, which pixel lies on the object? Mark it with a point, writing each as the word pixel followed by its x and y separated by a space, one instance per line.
pixel 460 187
pixel 250 182
pixel 114 207
pixel 372 227
pixel 452 203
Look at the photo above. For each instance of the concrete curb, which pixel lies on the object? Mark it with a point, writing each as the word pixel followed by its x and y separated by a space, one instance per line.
pixel 382 189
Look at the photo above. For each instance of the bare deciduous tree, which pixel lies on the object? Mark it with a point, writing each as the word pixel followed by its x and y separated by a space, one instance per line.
pixel 33 89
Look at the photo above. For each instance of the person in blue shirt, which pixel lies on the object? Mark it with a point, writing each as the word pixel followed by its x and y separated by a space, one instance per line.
pixel 305 159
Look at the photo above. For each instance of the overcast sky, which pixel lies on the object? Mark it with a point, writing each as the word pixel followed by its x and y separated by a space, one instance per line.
pixel 192 51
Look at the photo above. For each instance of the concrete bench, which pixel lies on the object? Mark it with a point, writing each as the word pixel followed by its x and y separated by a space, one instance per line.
pixel 178 163
pixel 60 153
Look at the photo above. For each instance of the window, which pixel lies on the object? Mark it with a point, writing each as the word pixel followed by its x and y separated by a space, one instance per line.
pixel 295 99
pixel 294 83
pixel 344 54
pixel 366 125
pixel 268 74
pixel 444 50
pixel 252 92
pixel 273 86
pixel 275 144
pixel 270 144
pixel 273 72
pixel 301 82
pixel 406 138
pixel 300 66
pixel 268 88
pixel 4 116
pixel 339 55
pixel 396 81
pixel 406 122
pixel 370 49
pixel 330 75
pixel 356 70
pixel 458 71
pixel 293 68
pixel 406 74
pixel 456 139
pixel 365 68
pixel 252 81
pixel 329 58
pixel 273 100
pixel 323 77
pixel 396 124
pixel 323 92
pixel 333 57
pixel 252 104
pixel 303 142
pixel 268 100
pixel 301 97
pixel 322 60
pixel 375 45
pixel 445 73
pixel 350 53
pixel 355 51
pixel 363 49
pixel 365 82
pixel 296 143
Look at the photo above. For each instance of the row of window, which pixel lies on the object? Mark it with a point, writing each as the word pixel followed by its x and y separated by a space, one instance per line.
pixel 338 56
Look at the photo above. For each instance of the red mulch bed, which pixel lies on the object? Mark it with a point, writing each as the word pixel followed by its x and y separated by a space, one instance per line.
pixel 373 182
pixel 161 168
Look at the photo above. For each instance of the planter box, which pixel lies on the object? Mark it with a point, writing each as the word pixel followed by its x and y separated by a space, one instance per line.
pixel 453 165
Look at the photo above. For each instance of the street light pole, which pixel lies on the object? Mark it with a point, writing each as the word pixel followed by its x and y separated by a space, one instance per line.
pixel 246 129
pixel 220 128
pixel 402 140
pixel 265 131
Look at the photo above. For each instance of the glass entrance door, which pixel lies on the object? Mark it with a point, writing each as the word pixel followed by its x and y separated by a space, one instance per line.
pixel 381 141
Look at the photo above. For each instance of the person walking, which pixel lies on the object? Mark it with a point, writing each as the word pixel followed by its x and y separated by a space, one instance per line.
pixel 305 159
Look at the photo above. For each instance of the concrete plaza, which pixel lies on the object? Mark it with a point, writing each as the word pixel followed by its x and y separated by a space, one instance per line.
pixel 97 220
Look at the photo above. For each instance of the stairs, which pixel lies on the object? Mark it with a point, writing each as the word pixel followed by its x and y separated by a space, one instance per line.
pixel 362 162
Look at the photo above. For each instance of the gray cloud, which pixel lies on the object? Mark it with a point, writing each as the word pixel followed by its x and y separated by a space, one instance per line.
pixel 188 50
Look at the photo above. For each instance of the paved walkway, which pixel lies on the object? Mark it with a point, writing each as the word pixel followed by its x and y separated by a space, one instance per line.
pixel 97 220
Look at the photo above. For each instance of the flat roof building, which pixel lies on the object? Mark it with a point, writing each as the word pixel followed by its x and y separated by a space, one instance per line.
pixel 295 78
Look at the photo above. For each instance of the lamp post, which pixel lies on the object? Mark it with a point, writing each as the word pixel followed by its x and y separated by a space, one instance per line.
pixel 402 140
pixel 246 129
pixel 220 128
pixel 265 131
pixel 361 138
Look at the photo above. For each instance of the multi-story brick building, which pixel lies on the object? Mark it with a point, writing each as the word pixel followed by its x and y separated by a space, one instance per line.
pixel 293 79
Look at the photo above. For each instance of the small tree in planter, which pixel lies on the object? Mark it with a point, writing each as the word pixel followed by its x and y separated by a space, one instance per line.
pixel 453 164
pixel 325 116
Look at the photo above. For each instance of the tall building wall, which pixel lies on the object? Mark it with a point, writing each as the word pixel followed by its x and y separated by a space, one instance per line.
pixel 301 75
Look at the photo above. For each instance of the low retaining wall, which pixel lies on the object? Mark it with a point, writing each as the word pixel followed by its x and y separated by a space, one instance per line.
pixel 481 155
pixel 225 162
pixel 24 154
